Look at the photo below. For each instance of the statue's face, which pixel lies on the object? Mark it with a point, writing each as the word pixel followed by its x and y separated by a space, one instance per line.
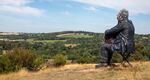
pixel 119 17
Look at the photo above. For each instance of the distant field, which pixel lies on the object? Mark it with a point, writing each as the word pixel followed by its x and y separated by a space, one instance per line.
pixel 49 41
pixel 74 35
pixel 71 45
pixel 33 41
pixel 139 71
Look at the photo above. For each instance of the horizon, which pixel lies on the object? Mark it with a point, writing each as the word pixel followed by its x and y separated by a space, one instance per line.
pixel 73 31
pixel 47 16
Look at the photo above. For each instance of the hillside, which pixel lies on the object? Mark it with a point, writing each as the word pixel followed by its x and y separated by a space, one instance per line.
pixel 82 49
pixel 139 71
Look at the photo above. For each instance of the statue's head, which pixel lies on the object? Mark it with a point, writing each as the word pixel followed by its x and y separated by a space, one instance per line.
pixel 122 15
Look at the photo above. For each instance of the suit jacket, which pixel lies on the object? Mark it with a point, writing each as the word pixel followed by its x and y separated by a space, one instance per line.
pixel 123 34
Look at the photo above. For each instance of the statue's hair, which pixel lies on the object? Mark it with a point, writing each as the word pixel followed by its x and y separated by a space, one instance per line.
pixel 124 13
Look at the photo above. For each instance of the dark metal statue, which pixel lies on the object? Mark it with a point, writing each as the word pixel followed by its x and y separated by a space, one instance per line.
pixel 120 38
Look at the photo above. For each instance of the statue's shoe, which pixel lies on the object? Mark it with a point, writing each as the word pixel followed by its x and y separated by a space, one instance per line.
pixel 101 65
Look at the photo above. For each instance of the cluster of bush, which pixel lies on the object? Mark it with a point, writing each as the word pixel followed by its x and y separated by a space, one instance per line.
pixel 15 59
pixel 18 58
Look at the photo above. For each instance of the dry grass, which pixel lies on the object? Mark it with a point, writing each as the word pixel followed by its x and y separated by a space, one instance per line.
pixel 14 75
pixel 139 71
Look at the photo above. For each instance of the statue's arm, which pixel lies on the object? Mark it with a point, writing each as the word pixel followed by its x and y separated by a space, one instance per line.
pixel 116 29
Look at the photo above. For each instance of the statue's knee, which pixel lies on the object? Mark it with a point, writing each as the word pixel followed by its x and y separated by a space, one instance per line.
pixel 103 46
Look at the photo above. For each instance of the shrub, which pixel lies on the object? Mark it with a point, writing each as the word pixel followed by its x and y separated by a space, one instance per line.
pixel 35 63
pixel 116 57
pixel 73 57
pixel 5 64
pixel 137 56
pixel 85 58
pixel 147 54
pixel 18 58
pixel 59 60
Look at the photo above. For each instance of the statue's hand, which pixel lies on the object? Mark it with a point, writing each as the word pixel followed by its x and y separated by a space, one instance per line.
pixel 109 41
pixel 108 37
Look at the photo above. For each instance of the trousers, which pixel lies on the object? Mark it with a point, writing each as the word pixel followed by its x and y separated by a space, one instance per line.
pixel 106 53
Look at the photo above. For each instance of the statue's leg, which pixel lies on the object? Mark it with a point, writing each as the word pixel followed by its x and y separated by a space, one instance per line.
pixel 110 53
pixel 105 56
pixel 106 53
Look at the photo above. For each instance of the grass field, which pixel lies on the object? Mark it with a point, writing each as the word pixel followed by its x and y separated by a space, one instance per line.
pixel 74 35
pixel 139 71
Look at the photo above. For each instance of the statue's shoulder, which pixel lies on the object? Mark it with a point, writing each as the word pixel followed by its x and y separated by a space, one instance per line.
pixel 130 21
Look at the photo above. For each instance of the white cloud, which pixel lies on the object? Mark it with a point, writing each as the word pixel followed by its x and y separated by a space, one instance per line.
pixel 134 6
pixel 91 8
pixel 14 2
pixel 23 10
pixel 19 6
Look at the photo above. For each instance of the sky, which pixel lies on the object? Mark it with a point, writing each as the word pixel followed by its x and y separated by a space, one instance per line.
pixel 71 15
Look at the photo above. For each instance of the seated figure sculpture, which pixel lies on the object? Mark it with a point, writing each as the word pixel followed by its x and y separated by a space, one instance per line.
pixel 119 38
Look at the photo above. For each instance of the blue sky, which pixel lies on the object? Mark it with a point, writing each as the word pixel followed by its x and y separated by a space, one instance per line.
pixel 74 15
